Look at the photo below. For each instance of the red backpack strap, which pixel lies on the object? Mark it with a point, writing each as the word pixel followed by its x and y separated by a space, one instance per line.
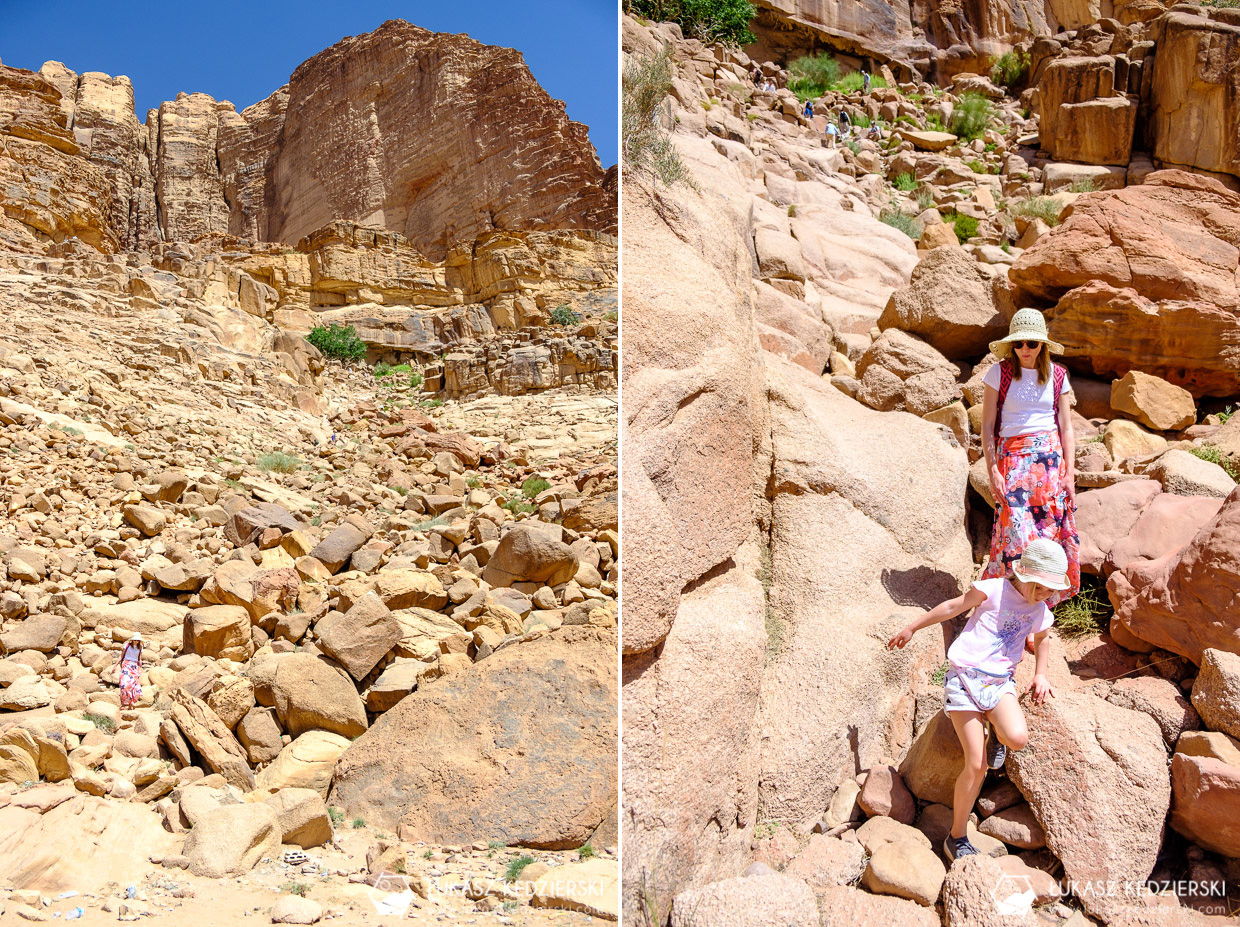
pixel 1005 383
pixel 1061 374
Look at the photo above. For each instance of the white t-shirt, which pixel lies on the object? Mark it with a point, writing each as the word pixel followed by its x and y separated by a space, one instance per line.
pixel 994 637
pixel 1030 407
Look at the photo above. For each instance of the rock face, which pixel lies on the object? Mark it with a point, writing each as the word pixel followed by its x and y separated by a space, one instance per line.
pixel 1205 804
pixel 1194 84
pixel 418 770
pixel 1184 600
pixel 1084 115
pixel 327 146
pixel 1145 277
pixel 1096 777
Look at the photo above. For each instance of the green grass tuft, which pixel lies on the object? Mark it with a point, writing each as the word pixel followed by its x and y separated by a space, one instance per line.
pixel 966 227
pixel 1009 68
pixel 813 75
pixel 1087 612
pixel 902 221
pixel 1212 454
pixel 102 722
pixel 905 182
pixel 972 116
pixel 1046 208
pixel 533 486
pixel 278 461
pixel 516 867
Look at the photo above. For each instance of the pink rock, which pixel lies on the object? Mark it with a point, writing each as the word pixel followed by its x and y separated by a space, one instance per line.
pixel 885 793
pixel 1205 802
pixel 1168 523
pixel 1185 600
pixel 1104 516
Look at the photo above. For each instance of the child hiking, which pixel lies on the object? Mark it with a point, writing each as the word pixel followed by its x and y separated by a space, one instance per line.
pixel 980 684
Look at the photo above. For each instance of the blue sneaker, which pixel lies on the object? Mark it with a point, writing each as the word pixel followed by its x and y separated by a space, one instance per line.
pixel 956 847
pixel 996 753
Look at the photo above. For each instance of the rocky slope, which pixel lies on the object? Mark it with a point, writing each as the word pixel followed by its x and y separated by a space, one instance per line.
pixel 411 559
pixel 801 419
pixel 507 157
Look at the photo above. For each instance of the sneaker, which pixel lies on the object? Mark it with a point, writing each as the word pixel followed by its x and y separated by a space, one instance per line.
pixel 996 753
pixel 956 847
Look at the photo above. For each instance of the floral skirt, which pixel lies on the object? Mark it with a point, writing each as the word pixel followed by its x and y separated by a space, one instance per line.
pixel 1034 505
pixel 131 689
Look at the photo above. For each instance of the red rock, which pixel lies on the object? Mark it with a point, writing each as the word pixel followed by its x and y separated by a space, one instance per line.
pixel 1168 523
pixel 1144 277
pixel 885 793
pixel 1185 600
pixel 1104 516
pixel 1205 803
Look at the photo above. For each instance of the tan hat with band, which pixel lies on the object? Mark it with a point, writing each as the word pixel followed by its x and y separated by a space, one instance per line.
pixel 1027 325
pixel 1043 562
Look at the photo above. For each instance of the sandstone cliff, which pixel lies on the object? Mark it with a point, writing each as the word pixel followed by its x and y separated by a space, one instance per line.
pixel 437 137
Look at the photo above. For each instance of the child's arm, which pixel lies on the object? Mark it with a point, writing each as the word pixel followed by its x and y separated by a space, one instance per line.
pixel 1041 687
pixel 941 612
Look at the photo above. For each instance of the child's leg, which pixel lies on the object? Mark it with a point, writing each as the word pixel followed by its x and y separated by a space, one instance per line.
pixel 1009 723
pixel 972 734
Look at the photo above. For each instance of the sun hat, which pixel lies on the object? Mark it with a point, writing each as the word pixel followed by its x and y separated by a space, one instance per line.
pixel 1027 325
pixel 1043 562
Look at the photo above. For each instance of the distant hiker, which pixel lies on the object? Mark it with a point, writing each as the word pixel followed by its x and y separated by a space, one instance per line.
pixel 845 122
pixel 865 80
pixel 980 684
pixel 1030 450
pixel 131 670
pixel 756 77
pixel 875 134
pixel 808 112
pixel 832 132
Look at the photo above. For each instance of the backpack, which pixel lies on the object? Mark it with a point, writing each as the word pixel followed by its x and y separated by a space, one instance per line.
pixel 1005 383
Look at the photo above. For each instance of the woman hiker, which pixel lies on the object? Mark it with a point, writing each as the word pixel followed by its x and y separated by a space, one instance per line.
pixel 131 670
pixel 1030 450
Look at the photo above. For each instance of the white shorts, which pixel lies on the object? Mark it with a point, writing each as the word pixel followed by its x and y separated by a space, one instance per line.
pixel 986 690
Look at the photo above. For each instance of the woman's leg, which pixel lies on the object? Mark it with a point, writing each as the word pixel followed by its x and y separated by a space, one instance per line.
pixel 972 734
pixel 1009 723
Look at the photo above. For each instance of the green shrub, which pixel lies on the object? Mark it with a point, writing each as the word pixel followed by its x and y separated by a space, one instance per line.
pixel 1009 68
pixel 430 403
pixel 976 166
pixel 296 888
pixel 1225 415
pixel 905 182
pixel 813 75
pixel 861 121
pixel 278 461
pixel 1083 186
pixel 415 380
pixel 925 199
pixel 966 227
pixel 336 815
pixel 853 145
pixel 359 823
pixel 103 722
pixel 646 146
pixel 338 341
pixel 940 674
pixel 517 507
pixel 723 21
pixel 972 116
pixel 1039 207
pixel 902 221
pixel 612 316
pixel 934 123
pixel 1087 612
pixel 1213 455
pixel 382 370
pixel 585 852
pixel 853 81
pixel 516 867
pixel 563 315
pixel 533 486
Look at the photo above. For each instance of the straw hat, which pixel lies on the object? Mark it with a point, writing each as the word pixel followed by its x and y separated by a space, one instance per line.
pixel 1027 325
pixel 1045 563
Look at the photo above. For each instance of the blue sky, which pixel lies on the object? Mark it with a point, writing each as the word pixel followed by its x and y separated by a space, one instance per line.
pixel 242 51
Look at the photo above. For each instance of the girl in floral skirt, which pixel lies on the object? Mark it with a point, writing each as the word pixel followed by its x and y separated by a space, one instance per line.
pixel 1030 450
pixel 131 672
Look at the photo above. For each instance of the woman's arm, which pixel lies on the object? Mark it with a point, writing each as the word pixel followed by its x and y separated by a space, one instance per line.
pixel 940 613
pixel 1068 438
pixel 990 403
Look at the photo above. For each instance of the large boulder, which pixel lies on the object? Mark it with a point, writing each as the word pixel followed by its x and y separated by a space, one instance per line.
pixel 1191 74
pixel 1216 691
pixel 306 763
pixel 531 554
pixel 768 900
pixel 828 861
pixel 302 815
pixel 981 891
pixel 845 906
pixel 452 762
pixel 1144 277
pixel 1081 116
pixel 1185 600
pixel 1162 700
pixel 38 632
pixel 1164 526
pixel 218 631
pixel 1205 802
pixel 335 550
pixel 309 694
pixel 900 372
pixel 1153 401
pixel 230 840
pixel 1104 516
pixel 1096 777
pixel 1187 474
pixel 359 638
pixel 954 303
pixel 211 737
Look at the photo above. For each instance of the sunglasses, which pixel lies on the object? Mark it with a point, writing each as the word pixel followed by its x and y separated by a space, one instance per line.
pixel 1027 345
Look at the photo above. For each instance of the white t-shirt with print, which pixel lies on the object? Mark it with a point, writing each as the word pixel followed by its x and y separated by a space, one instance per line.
pixel 1030 407
pixel 994 637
